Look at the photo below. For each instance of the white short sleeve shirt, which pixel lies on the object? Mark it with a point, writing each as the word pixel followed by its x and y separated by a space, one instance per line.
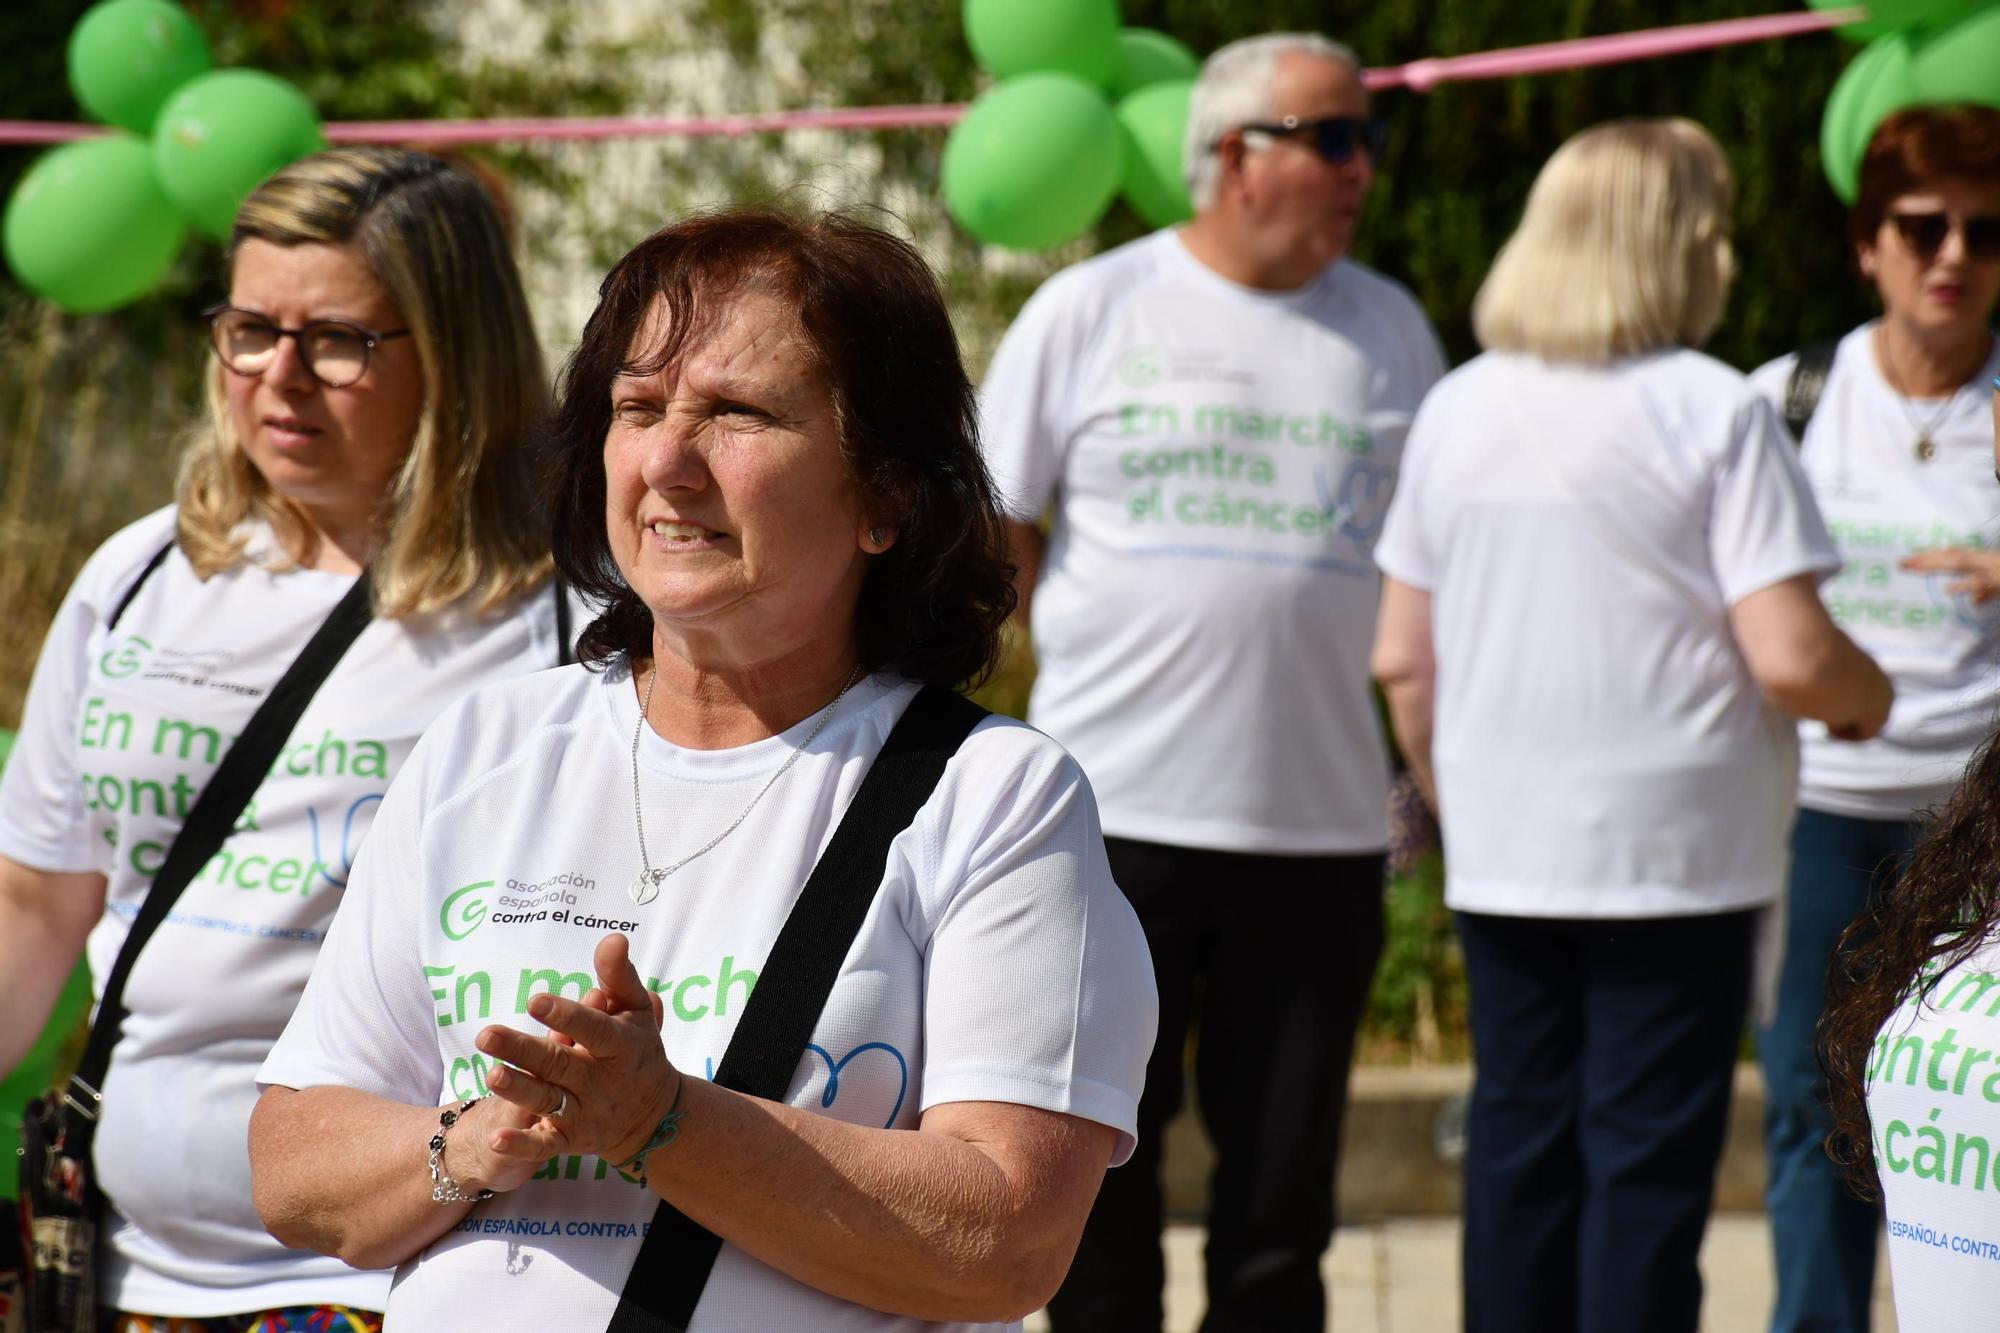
pixel 1600 747
pixel 1883 503
pixel 997 962
pixel 123 727
pixel 1218 460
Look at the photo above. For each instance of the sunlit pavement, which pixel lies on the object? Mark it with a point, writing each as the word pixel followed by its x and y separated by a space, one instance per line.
pixel 1402 1277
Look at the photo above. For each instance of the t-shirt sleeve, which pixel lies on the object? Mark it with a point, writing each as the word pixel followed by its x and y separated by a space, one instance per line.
pixel 1403 552
pixel 362 1022
pixel 1764 525
pixel 43 821
pixel 1038 981
pixel 1771 379
pixel 1024 402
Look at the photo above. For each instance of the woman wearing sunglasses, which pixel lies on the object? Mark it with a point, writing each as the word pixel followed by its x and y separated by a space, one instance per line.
pixel 1899 449
pixel 375 384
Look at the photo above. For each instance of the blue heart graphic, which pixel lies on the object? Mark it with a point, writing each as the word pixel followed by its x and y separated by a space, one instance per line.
pixel 833 1068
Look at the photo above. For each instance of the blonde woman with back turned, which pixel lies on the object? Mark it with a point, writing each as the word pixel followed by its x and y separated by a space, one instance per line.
pixel 375 386
pixel 1600 603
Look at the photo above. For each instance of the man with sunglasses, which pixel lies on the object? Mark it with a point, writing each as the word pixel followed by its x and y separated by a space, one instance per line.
pixel 1212 418
pixel 1896 436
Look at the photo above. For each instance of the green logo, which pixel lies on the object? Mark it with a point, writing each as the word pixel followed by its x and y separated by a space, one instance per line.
pixel 466 914
pixel 1140 366
pixel 125 659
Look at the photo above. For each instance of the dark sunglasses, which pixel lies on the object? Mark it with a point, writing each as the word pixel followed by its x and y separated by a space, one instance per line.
pixel 1923 234
pixel 1334 138
pixel 335 352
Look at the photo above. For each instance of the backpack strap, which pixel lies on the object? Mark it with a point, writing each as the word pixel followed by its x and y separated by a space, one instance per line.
pixel 213 818
pixel 674 1260
pixel 565 644
pixel 118 611
pixel 1805 384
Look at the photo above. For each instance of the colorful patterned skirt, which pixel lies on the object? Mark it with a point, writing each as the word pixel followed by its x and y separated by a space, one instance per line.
pixel 291 1319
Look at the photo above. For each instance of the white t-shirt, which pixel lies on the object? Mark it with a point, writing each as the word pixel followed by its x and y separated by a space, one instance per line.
pixel 1934 1112
pixel 122 730
pixel 1220 459
pixel 1600 747
pixel 1882 503
pixel 997 962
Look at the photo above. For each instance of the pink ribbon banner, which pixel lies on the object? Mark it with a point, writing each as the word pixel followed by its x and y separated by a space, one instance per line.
pixel 1418 76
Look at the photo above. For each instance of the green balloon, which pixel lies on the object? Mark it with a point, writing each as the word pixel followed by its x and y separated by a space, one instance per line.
pixel 1146 57
pixel 1876 83
pixel 1034 163
pixel 1888 16
pixel 89 228
pixel 1960 63
pixel 126 58
pixel 1152 123
pixel 1010 37
pixel 219 137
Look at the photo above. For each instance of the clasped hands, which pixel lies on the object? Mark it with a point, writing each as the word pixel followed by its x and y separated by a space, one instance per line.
pixel 599 1083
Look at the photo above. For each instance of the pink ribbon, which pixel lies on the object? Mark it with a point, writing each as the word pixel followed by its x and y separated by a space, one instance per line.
pixel 1419 76
pixel 1618 48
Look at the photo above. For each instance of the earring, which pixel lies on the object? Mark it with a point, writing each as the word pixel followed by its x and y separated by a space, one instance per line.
pixel 878 537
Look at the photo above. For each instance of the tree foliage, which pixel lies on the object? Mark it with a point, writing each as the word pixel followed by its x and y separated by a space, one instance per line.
pixel 1462 158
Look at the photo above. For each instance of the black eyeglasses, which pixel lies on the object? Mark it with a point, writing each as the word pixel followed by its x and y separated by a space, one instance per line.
pixel 335 352
pixel 1923 234
pixel 1334 138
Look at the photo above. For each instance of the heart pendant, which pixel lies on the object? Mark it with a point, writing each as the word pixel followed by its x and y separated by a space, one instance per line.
pixel 644 889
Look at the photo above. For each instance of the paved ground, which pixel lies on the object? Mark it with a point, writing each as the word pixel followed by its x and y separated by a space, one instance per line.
pixel 1402 1277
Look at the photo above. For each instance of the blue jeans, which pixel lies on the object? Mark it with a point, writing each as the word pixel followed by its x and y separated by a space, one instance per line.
pixel 1822 1236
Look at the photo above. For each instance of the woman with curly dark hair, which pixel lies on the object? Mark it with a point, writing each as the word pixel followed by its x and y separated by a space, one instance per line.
pixel 767 471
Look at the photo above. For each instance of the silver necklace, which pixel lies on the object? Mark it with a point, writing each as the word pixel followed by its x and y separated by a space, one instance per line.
pixel 1925 448
pixel 646 886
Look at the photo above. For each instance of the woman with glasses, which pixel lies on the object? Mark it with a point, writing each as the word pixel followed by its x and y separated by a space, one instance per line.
pixel 1899 448
pixel 1599 617
pixel 375 385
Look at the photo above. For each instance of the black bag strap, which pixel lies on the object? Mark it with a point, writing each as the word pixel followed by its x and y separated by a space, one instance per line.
pixel 1805 384
pixel 118 611
pixel 792 987
pixel 565 645
pixel 213 818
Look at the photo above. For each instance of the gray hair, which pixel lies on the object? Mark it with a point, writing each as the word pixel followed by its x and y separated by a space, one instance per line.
pixel 1235 89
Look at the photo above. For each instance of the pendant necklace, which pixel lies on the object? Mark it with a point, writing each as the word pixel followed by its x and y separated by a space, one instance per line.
pixel 1925 448
pixel 646 886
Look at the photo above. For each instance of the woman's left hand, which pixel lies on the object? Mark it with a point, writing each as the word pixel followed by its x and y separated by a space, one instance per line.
pixel 1980 567
pixel 601 1083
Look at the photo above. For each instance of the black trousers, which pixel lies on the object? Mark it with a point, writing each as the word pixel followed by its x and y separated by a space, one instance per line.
pixel 1605 1052
pixel 1268 960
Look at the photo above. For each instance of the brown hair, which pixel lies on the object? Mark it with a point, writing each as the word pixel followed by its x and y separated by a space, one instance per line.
pixel 460 519
pixel 934 604
pixel 1918 147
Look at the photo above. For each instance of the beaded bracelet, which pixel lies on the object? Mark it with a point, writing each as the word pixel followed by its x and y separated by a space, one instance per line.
pixel 664 1133
pixel 443 1188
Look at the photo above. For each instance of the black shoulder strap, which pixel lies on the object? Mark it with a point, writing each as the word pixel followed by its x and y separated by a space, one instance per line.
pixel 118 611
pixel 213 818
pixel 1805 384
pixel 565 645
pixel 674 1260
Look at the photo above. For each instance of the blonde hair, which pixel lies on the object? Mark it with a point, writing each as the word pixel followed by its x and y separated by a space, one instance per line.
pixel 459 518
pixel 1623 248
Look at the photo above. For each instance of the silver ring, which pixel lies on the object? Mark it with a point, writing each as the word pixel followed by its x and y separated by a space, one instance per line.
pixel 562 1105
